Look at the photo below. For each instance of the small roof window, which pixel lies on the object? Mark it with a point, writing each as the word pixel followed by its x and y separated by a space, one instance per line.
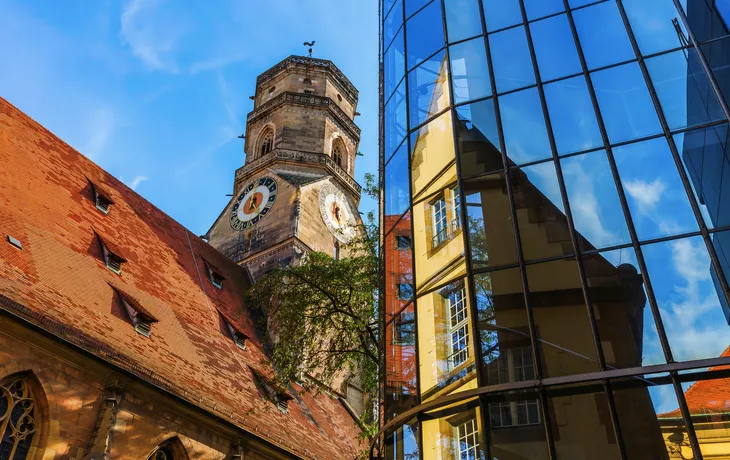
pixel 214 275
pixel 113 258
pixel 102 198
pixel 239 338
pixel 140 317
pixel 276 395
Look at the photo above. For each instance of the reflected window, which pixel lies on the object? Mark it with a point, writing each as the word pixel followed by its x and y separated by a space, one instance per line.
pixel 404 291
pixel 514 413
pixel 627 109
pixel 513 365
pixel 467 439
pixel 403 242
pixel 458 328
pixel 602 35
pixel 439 222
pixel 404 329
pixel 511 59
pixel 445 221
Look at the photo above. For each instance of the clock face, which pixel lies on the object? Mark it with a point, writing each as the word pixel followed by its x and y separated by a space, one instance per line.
pixel 337 213
pixel 253 203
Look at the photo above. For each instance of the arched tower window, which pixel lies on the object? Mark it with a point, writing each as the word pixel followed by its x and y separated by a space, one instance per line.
pixel 17 418
pixel 172 449
pixel 266 142
pixel 162 453
pixel 338 152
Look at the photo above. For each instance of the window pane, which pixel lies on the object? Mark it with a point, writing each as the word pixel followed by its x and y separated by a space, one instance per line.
pixel 395 120
pixel 414 5
pixel 397 192
pixel 657 200
pixel 704 19
pixel 444 338
pixel 626 106
pixel 602 35
pixel 555 48
pixel 648 414
pixel 511 59
pixel 684 92
pixel 504 335
pixel 398 260
pixel 470 72
pixel 721 243
pixel 537 9
pixel 509 436
pixel 558 306
pixel 454 433
pixel 425 33
pixel 393 65
pixel 522 113
pixel 540 213
pixel 392 23
pixel 433 156
pixel 400 364
pixel 688 298
pixel 706 159
pixel 629 337
pixel 491 235
pixel 577 3
pixel 463 19
pixel 582 409
pixel 501 13
pixel 402 444
pixel 718 56
pixel 478 139
pixel 428 87
pixel 594 203
pixel 572 116
pixel 651 21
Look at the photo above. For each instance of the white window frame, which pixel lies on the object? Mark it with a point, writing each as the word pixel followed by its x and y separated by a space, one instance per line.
pixel 466 436
pixel 514 359
pixel 456 206
pixel 458 328
pixel 439 221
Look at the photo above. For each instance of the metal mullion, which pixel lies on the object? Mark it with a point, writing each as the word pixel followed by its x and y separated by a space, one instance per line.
pixel 705 65
pixel 413 234
pixel 473 312
pixel 536 354
pixel 675 153
pixel 564 195
pixel 399 312
pixel 687 416
pixel 405 18
pixel 614 419
pixel 382 359
pixel 653 305
pixel 547 422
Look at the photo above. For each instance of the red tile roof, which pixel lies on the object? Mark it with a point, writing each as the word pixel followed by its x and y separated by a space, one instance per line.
pixel 707 397
pixel 59 282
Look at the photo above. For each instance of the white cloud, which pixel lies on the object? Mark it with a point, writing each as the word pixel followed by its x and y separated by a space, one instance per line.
pixel 136 181
pixel 584 206
pixel 152 35
pixel 99 128
pixel 646 194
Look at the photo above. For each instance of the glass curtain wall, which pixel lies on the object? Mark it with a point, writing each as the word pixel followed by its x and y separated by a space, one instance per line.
pixel 555 214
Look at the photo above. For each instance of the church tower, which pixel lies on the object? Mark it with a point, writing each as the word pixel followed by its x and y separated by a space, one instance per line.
pixel 296 192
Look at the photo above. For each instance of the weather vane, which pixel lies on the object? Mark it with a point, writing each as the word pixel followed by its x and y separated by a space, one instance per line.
pixel 310 45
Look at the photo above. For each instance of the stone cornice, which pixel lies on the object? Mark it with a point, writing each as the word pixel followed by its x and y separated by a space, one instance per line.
pixel 294 156
pixel 310 100
pixel 348 89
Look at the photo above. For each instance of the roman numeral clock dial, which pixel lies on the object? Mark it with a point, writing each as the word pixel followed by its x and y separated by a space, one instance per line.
pixel 253 203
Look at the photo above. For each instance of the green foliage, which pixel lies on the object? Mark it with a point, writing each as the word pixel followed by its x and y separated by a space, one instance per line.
pixel 323 316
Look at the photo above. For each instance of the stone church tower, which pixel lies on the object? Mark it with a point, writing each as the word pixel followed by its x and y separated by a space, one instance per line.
pixel 296 192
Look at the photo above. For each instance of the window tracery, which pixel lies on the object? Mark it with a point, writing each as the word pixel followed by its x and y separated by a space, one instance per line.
pixel 338 152
pixel 266 144
pixel 17 418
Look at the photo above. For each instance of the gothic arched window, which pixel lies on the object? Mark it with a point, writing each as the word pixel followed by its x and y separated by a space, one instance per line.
pixel 17 422
pixel 266 142
pixel 338 152
pixel 162 454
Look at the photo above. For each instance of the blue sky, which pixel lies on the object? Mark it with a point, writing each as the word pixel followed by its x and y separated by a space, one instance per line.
pixel 156 91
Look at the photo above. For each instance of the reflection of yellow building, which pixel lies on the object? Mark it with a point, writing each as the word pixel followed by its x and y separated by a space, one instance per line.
pixel 581 423
pixel 708 402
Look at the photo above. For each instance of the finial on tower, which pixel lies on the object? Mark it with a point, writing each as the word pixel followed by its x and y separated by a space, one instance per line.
pixel 310 45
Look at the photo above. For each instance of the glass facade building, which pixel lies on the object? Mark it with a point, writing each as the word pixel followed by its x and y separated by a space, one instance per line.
pixel 555 179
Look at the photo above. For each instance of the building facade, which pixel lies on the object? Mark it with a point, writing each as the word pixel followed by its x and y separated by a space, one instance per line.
pixel 296 192
pixel 553 240
pixel 124 336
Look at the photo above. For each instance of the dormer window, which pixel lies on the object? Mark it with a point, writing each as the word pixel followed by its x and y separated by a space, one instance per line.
pixel 113 258
pixel 216 279
pixel 278 396
pixel 141 318
pixel 239 338
pixel 102 198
